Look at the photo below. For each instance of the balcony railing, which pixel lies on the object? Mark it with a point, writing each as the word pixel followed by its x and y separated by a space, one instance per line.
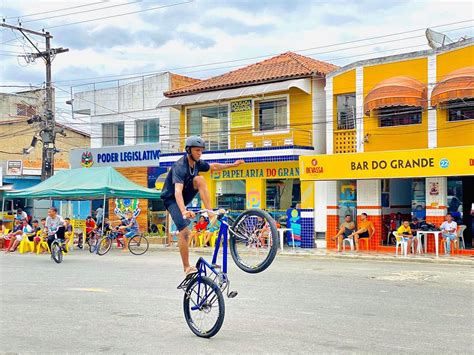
pixel 289 137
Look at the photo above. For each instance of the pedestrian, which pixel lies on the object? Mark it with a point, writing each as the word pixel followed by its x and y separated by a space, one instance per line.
pixel 99 215
pixel 449 228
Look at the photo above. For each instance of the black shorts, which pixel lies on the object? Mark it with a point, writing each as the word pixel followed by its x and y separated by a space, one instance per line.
pixel 364 235
pixel 188 194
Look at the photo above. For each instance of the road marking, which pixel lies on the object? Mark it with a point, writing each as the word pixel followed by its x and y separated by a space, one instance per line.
pixel 88 289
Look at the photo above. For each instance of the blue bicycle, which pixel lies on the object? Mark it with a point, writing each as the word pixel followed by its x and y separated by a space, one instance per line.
pixel 253 242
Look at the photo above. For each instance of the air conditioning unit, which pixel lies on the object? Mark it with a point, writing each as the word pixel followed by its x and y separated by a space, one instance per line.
pixel 249 145
pixel 267 143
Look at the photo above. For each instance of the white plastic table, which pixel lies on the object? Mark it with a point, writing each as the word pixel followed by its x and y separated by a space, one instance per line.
pixel 436 237
pixel 281 232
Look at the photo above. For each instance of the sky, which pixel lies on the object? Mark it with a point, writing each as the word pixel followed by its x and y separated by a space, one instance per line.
pixel 203 38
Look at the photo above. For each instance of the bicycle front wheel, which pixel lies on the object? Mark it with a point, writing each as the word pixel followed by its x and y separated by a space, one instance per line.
pixel 204 307
pixel 103 245
pixel 138 244
pixel 56 252
pixel 253 241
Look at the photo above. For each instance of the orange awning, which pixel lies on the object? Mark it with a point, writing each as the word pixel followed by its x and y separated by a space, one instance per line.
pixel 396 91
pixel 458 84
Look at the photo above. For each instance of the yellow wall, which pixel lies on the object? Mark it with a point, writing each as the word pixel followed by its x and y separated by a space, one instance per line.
pixel 300 120
pixel 398 137
pixel 463 131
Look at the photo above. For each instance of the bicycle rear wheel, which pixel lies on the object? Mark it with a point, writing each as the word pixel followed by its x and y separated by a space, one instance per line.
pixel 56 252
pixel 103 245
pixel 92 245
pixel 203 306
pixel 253 241
pixel 138 244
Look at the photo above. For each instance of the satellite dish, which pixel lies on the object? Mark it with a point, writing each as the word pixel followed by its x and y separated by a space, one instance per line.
pixel 436 39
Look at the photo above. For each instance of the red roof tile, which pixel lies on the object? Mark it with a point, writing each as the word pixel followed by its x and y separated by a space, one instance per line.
pixel 284 66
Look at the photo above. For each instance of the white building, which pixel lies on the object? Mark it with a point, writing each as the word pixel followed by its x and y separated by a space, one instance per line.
pixel 123 112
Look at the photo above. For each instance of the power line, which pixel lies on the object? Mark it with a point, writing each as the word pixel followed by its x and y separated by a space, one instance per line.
pixel 266 55
pixel 123 14
pixel 84 11
pixel 50 11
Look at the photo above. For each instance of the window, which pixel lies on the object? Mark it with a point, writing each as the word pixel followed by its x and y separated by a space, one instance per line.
pixel 148 131
pixel 113 134
pixel 272 115
pixel 25 110
pixel 399 116
pixel 346 111
pixel 211 123
pixel 460 110
pixel 231 194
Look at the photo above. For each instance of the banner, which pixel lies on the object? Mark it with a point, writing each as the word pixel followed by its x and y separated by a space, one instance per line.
pixel 241 113
pixel 457 161
pixel 14 167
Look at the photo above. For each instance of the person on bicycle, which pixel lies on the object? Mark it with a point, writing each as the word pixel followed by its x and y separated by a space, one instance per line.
pixel 182 184
pixel 55 226
pixel 131 228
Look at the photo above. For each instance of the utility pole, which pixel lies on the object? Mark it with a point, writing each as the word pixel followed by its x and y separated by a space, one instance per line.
pixel 48 124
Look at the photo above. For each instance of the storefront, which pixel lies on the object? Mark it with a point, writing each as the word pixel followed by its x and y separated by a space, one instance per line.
pixel 422 183
pixel 140 164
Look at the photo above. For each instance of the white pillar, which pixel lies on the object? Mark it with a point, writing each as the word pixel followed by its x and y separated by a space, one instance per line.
pixel 432 119
pixel 360 109
pixel 329 117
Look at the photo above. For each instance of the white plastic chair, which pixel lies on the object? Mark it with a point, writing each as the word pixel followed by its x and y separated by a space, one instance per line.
pixel 460 234
pixel 402 243
pixel 349 241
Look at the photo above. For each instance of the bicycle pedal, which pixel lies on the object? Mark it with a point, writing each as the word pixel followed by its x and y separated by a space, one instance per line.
pixel 232 294
pixel 187 280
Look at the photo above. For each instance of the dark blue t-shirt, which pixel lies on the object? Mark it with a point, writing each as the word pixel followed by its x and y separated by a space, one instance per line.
pixel 182 173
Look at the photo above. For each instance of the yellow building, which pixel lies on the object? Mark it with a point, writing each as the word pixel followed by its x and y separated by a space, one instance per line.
pixel 405 127
pixel 269 114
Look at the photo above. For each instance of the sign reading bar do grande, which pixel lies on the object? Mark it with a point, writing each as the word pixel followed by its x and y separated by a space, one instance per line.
pixel 122 156
pixel 457 161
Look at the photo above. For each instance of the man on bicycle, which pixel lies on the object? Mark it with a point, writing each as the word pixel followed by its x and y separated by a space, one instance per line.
pixel 55 226
pixel 182 184
pixel 129 228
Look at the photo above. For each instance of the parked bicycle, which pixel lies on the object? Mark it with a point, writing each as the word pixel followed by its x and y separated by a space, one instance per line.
pixel 137 245
pixel 253 242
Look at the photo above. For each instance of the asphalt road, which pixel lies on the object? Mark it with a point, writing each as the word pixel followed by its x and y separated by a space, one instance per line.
pixel 120 303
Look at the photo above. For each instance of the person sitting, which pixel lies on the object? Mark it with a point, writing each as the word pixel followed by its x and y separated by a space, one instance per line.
pixel 21 215
pixel 37 239
pixel 25 231
pixel 199 227
pixel 3 233
pixel 449 228
pixel 131 228
pixel 366 230
pixel 14 234
pixel 345 230
pixel 68 230
pixel 90 228
pixel 212 228
pixel 405 232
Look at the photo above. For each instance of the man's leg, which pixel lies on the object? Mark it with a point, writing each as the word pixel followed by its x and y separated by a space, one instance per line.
pixel 200 185
pixel 183 240
pixel 356 242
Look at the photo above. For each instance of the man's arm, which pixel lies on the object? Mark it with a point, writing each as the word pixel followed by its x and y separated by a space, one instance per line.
pixel 219 167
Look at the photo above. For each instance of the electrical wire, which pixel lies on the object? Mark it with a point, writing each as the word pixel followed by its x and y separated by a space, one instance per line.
pixel 84 11
pixel 50 11
pixel 266 55
pixel 123 14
